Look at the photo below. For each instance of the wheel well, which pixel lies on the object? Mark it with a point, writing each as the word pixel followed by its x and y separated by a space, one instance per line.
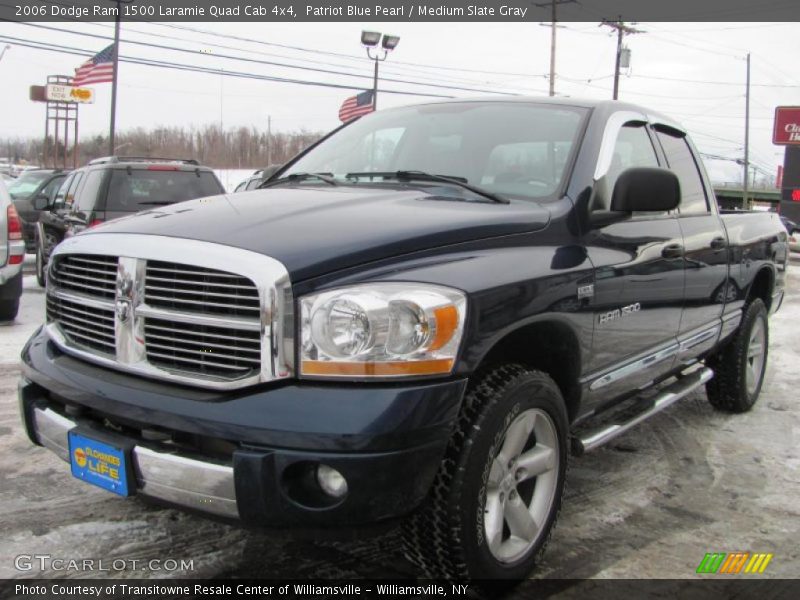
pixel 550 347
pixel 762 287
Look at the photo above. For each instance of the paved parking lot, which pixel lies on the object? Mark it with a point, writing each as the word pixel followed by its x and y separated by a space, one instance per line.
pixel 689 481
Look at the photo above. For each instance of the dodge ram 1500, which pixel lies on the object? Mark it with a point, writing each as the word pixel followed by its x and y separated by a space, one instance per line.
pixel 419 318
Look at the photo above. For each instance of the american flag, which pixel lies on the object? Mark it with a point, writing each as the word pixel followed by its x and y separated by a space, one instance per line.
pixel 355 106
pixel 98 69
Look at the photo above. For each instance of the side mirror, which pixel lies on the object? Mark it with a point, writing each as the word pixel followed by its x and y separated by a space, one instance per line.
pixel 41 202
pixel 269 171
pixel 646 189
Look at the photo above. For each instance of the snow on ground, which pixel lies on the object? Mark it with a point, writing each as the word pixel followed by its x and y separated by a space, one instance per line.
pixel 14 334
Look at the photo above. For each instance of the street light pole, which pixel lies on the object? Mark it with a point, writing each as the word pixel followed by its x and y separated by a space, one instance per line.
pixel 375 84
pixel 370 39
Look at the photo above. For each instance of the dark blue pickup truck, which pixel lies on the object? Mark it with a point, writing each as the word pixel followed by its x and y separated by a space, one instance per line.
pixel 419 318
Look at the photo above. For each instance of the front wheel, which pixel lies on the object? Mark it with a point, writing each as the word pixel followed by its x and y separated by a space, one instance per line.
pixel 740 366
pixel 498 491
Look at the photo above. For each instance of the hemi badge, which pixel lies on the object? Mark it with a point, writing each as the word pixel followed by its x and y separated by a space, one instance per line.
pixel 586 291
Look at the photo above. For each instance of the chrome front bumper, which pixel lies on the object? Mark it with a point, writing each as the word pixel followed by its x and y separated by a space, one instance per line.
pixel 185 481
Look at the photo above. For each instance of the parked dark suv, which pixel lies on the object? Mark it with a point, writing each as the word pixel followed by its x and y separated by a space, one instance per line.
pixel 33 192
pixel 112 187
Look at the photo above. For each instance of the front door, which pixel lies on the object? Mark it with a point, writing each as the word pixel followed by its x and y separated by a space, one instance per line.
pixel 639 286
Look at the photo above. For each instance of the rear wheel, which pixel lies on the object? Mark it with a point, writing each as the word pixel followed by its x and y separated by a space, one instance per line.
pixel 9 309
pixel 740 366
pixel 10 293
pixel 498 491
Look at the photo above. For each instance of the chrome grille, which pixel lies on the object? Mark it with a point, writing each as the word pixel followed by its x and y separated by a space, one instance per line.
pixel 83 325
pixel 189 288
pixel 193 312
pixel 95 275
pixel 208 350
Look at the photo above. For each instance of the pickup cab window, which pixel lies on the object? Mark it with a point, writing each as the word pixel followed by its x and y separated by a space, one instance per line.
pixel 632 149
pixel 681 160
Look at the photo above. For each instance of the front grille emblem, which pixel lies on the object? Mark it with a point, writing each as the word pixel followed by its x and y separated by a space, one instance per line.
pixel 124 291
pixel 123 310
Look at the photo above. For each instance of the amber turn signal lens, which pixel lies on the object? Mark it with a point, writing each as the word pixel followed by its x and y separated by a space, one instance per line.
pixel 446 325
pixel 394 368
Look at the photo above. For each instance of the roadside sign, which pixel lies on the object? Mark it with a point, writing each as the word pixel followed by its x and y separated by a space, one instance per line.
pixel 55 92
pixel 787 126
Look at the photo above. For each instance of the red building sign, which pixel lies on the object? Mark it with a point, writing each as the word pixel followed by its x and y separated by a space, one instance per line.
pixel 787 125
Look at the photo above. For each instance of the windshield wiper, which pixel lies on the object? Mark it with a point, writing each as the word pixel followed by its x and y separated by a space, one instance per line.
pixel 423 176
pixel 297 177
pixel 156 203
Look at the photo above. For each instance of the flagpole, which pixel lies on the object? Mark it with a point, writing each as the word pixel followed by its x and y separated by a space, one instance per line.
pixel 115 54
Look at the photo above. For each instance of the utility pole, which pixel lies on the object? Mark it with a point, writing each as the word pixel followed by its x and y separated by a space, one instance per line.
pixel 622 31
pixel 115 53
pixel 745 203
pixel 553 26
pixel 113 124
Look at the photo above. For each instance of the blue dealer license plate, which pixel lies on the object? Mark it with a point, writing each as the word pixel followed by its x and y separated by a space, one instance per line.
pixel 98 463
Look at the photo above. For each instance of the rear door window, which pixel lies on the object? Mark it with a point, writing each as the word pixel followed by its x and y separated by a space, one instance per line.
pixel 682 163
pixel 87 199
pixel 140 189
pixel 69 197
pixel 61 194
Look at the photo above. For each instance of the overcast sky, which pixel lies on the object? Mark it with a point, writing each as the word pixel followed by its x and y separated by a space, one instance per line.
pixel 694 72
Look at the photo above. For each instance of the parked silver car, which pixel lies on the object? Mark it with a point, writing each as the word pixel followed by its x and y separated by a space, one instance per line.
pixel 12 255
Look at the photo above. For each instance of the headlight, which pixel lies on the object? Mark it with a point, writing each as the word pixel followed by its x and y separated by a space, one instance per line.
pixel 381 330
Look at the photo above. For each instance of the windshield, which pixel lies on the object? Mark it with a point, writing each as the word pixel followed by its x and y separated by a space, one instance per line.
pixel 509 148
pixel 26 183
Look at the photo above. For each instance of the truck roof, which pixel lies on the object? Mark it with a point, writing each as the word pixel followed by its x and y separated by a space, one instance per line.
pixel 604 106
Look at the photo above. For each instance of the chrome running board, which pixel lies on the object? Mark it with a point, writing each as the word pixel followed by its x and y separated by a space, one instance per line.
pixel 684 385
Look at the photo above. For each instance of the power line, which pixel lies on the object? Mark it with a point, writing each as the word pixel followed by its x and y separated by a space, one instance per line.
pixel 389 68
pixel 193 68
pixel 302 49
pixel 272 63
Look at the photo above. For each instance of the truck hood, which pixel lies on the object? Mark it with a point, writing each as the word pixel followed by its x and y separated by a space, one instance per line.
pixel 315 230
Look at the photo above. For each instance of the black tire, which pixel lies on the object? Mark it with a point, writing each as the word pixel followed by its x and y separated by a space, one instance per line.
pixel 447 536
pixel 729 389
pixel 9 309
